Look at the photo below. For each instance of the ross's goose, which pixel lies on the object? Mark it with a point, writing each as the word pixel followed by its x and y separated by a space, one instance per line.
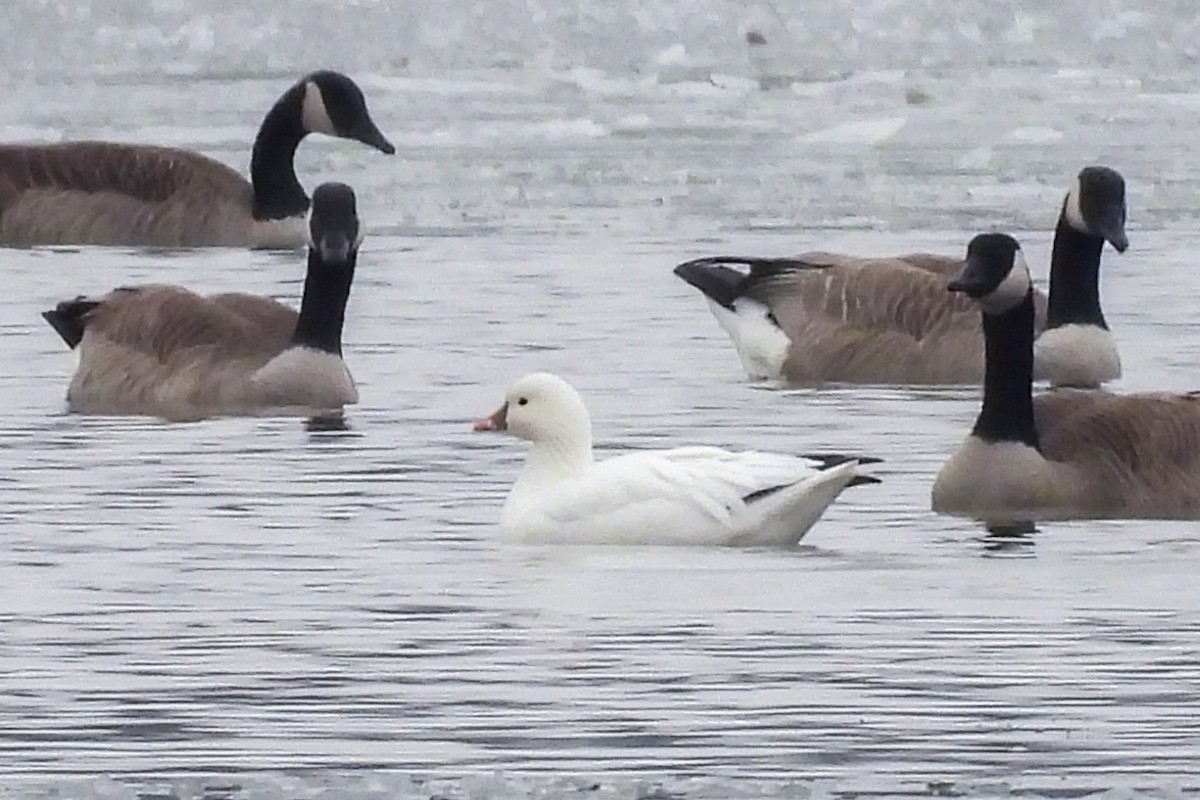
pixel 684 496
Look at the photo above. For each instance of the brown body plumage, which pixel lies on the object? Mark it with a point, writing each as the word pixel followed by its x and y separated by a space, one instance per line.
pixel 1135 455
pixel 165 351
pixel 825 317
pixel 1065 453
pixel 875 320
pixel 107 193
pixel 98 192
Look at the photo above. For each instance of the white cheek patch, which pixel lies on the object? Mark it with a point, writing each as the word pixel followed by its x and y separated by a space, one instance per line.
pixel 314 115
pixel 1012 289
pixel 1072 211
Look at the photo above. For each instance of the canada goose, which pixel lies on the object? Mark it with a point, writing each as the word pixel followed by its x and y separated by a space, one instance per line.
pixel 827 317
pixel 164 351
pixel 688 495
pixel 1066 453
pixel 122 194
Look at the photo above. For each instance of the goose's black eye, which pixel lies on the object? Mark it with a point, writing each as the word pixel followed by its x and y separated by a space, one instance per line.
pixel 771 318
pixel 523 401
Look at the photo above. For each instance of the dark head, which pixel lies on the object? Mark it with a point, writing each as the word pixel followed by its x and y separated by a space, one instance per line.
pixel 334 237
pixel 333 228
pixel 334 105
pixel 1096 205
pixel 994 275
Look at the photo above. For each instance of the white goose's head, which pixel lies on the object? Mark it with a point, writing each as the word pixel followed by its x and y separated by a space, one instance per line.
pixel 545 410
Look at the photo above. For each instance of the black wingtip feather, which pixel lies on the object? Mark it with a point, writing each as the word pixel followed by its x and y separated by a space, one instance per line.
pixel 833 459
pixel 69 319
pixel 859 480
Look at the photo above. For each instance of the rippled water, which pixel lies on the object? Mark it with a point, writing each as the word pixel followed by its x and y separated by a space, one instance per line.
pixel 248 608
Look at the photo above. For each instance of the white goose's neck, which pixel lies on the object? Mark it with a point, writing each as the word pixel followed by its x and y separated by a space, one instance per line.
pixel 558 457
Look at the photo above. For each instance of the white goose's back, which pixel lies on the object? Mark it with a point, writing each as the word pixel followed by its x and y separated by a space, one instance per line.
pixel 687 496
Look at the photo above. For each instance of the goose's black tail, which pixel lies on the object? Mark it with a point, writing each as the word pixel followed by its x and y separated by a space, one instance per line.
pixel 828 460
pixel 69 318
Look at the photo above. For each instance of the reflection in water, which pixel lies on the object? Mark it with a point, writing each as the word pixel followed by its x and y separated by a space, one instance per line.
pixel 1013 528
pixel 329 422
pixel 1009 538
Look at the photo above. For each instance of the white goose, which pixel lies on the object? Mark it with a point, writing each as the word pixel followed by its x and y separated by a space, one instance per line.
pixel 683 496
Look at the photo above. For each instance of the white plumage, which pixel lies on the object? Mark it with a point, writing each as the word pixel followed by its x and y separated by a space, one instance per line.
pixel 683 496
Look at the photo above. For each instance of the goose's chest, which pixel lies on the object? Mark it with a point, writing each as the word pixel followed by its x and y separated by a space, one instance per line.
pixel 279 234
pixel 997 481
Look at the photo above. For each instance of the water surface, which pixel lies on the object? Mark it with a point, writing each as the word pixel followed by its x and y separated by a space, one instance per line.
pixel 249 608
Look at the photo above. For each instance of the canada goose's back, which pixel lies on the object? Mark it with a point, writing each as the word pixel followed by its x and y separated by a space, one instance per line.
pixel 165 351
pixel 946 266
pixel 164 320
pixel 272 321
pixel 108 193
pixel 1138 455
pixel 1100 455
pixel 872 321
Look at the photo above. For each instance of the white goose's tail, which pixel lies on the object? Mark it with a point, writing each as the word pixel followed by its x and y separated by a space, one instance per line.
pixel 784 514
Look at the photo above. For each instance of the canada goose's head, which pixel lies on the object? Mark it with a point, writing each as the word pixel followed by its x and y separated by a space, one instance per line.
pixel 995 274
pixel 334 105
pixel 333 227
pixel 1095 206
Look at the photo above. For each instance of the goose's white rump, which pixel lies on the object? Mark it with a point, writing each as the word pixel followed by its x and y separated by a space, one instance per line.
pixel 825 317
pixel 683 496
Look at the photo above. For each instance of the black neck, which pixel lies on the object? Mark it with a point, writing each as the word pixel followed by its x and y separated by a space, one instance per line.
pixel 277 192
pixel 323 306
pixel 1007 413
pixel 1075 278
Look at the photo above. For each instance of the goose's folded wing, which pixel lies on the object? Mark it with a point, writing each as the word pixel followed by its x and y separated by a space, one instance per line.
pixel 1139 432
pixel 107 193
pixel 165 321
pixel 1140 448
pixel 696 485
pixel 151 174
pixel 271 322
pixel 877 295
pixel 946 266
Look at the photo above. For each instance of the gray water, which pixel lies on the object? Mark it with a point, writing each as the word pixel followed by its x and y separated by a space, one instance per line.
pixel 247 608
